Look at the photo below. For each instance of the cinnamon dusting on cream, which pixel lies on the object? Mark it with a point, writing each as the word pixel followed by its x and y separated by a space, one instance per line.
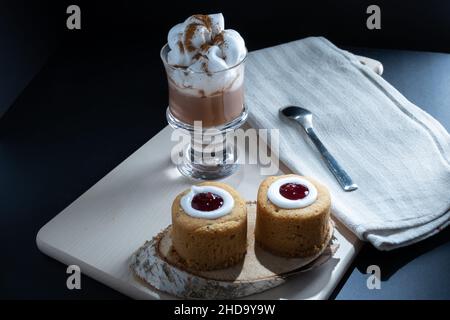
pixel 205 19
pixel 189 34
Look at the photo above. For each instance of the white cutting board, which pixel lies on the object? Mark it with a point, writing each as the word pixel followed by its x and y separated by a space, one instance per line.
pixel 102 228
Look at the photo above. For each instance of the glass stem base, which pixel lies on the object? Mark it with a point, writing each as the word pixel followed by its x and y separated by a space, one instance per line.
pixel 206 166
pixel 211 153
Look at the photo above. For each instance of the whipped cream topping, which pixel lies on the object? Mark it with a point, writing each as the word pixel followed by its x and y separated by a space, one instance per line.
pixel 274 195
pixel 201 47
pixel 226 208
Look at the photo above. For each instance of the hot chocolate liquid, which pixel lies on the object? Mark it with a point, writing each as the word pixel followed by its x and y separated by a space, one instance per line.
pixel 213 110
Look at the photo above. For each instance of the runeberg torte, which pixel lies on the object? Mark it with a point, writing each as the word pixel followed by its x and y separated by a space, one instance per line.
pixel 293 216
pixel 209 226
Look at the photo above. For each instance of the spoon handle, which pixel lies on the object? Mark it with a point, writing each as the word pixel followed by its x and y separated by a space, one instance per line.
pixel 341 176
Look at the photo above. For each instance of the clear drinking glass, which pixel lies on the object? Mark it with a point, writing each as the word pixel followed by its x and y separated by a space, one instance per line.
pixel 208 106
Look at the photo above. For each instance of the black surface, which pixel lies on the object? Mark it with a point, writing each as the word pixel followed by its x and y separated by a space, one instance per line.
pixel 103 94
pixel 26 40
pixel 76 122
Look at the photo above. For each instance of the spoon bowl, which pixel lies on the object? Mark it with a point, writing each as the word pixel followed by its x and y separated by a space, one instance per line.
pixel 301 115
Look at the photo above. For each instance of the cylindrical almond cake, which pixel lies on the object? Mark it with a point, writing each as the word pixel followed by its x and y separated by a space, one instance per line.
pixel 293 214
pixel 209 226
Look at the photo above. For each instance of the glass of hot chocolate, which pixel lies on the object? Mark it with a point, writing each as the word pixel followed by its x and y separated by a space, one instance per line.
pixel 205 71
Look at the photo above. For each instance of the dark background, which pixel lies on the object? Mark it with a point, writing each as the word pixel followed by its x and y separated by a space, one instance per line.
pixel 79 102
pixel 30 31
pixel 418 25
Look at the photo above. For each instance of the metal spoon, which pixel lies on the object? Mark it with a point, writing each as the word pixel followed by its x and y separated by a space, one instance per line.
pixel 304 118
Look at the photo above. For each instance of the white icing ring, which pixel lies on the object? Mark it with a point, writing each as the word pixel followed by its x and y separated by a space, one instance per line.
pixel 273 194
pixel 226 208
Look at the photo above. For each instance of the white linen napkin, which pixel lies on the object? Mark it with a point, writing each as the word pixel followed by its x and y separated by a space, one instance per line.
pixel 397 154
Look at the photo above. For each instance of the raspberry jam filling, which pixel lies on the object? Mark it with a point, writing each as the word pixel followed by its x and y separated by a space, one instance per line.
pixel 206 201
pixel 294 191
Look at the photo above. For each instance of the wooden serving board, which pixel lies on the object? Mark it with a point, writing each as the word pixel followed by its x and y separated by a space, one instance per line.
pixel 158 265
pixel 102 228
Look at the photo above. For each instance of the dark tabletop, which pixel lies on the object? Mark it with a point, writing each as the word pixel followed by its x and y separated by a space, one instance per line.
pixel 84 113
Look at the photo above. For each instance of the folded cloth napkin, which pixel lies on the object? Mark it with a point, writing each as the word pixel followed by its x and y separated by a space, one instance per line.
pixel 397 154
